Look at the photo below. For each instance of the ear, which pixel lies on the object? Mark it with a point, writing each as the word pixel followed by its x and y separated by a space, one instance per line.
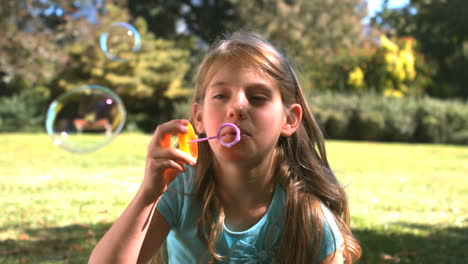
pixel 197 114
pixel 293 120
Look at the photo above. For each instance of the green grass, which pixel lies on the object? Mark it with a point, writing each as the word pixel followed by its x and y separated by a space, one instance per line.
pixel 409 203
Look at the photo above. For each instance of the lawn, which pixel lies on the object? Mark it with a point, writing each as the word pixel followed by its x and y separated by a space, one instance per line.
pixel 409 202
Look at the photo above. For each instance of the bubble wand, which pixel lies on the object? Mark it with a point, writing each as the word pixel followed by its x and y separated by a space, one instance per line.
pixel 186 143
pixel 218 136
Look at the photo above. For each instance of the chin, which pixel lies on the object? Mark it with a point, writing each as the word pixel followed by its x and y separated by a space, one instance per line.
pixel 232 154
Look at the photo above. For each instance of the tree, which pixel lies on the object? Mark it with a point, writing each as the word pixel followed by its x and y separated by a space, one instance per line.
pixel 439 27
pixel 203 19
pixel 52 58
pixel 35 34
pixel 315 34
pixel 149 83
pixel 395 68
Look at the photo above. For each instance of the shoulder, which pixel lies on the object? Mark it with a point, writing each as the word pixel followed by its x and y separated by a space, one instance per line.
pixel 332 239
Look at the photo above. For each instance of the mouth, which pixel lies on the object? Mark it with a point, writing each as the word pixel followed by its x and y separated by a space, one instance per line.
pixel 228 131
pixel 231 134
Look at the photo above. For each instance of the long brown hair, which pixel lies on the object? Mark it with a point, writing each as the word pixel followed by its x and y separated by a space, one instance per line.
pixel 302 167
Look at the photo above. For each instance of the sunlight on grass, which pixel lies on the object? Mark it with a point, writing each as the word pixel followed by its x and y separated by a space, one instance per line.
pixel 399 182
pixel 407 200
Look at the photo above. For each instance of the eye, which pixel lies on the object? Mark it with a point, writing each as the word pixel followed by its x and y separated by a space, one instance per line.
pixel 258 99
pixel 219 96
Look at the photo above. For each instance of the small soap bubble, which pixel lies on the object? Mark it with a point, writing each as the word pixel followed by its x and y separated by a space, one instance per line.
pixel 85 119
pixel 120 42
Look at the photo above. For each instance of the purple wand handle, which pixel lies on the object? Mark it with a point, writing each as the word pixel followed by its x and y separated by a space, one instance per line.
pixel 202 139
pixel 218 136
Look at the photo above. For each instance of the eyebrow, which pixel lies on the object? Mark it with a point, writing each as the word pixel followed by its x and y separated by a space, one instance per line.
pixel 218 83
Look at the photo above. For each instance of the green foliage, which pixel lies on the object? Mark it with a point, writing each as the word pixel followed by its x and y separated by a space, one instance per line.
pixel 399 118
pixel 335 123
pixel 390 67
pixel 149 83
pixel 333 113
pixel 431 122
pixel 374 117
pixel 366 125
pixel 204 19
pixel 457 121
pixel 30 57
pixel 439 27
pixel 54 59
pixel 22 112
pixel 316 35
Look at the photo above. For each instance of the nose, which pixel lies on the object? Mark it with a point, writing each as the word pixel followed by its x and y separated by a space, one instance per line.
pixel 237 107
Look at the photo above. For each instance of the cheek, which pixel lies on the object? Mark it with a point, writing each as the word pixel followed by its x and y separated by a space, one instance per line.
pixel 214 113
pixel 271 120
pixel 212 122
pixel 272 114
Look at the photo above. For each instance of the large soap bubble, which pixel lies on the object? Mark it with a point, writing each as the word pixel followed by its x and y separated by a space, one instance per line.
pixel 85 119
pixel 120 42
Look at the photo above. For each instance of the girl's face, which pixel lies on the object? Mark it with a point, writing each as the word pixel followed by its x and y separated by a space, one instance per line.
pixel 246 97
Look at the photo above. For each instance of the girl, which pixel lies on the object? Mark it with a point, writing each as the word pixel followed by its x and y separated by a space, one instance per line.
pixel 270 198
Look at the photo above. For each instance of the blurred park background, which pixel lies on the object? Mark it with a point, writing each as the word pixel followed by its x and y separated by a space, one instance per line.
pixel 389 88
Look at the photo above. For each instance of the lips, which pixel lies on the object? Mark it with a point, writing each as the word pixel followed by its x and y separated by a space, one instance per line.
pixel 230 134
pixel 229 131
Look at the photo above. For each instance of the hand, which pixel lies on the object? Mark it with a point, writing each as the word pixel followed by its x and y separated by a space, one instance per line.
pixel 163 163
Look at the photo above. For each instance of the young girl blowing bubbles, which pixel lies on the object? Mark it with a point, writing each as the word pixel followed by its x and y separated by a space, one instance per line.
pixel 270 198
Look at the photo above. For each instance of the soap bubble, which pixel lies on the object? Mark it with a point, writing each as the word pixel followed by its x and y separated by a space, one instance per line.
pixel 120 42
pixel 85 119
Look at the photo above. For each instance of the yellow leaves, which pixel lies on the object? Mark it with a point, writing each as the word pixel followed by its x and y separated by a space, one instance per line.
pixel 393 93
pixel 97 72
pixel 387 44
pixel 399 62
pixel 356 78
pixel 407 59
pixel 176 89
pixel 395 68
pixel 62 83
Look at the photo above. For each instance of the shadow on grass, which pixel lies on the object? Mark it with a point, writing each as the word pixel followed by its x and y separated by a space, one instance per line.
pixel 415 243
pixel 67 244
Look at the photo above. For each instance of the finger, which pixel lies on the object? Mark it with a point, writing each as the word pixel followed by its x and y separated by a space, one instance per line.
pixel 164 164
pixel 163 132
pixel 173 154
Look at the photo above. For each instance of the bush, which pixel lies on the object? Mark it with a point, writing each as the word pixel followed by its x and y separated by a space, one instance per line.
pixel 457 123
pixel 24 111
pixel 366 125
pixel 399 115
pixel 460 137
pixel 376 117
pixel 336 124
pixel 333 113
pixel 430 121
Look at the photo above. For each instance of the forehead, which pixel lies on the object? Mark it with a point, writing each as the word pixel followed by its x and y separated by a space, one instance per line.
pixel 238 72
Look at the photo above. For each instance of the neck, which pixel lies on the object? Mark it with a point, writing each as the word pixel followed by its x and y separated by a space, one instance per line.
pixel 242 185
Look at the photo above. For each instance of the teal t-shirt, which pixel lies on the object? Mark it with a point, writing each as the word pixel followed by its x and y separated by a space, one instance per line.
pixel 258 244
